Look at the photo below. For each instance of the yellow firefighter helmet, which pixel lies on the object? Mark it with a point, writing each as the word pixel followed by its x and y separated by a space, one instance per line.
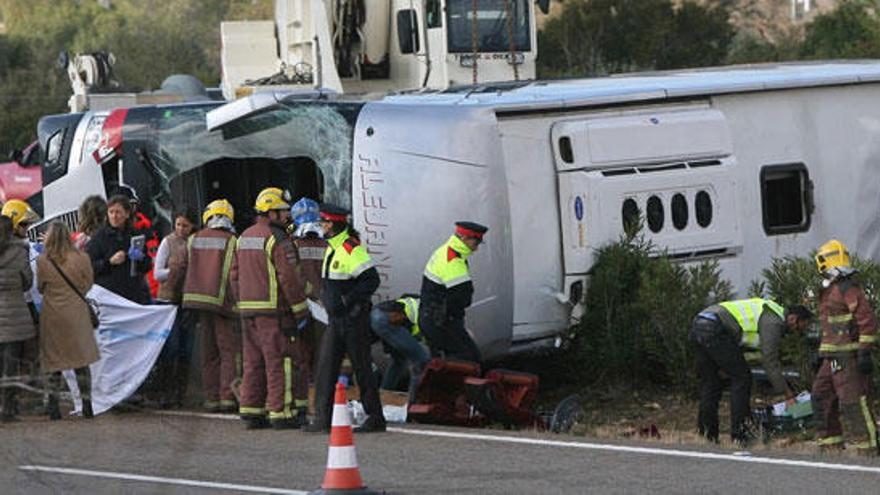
pixel 218 207
pixel 19 212
pixel 272 198
pixel 832 254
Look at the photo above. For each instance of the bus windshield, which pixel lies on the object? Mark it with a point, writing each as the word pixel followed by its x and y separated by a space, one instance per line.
pixel 291 133
pixel 492 29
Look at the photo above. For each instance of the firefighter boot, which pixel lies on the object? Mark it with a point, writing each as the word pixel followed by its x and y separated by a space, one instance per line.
pixel 255 422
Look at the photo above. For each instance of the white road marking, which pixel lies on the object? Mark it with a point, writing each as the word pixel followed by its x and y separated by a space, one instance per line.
pixel 159 479
pixel 639 450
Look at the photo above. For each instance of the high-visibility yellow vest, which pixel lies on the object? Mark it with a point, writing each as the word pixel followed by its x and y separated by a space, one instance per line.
pixel 747 313
pixel 349 258
pixel 411 310
pixel 448 265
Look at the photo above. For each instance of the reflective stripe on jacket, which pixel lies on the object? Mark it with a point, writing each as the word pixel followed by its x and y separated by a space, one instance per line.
pixel 847 319
pixel 448 265
pixel 747 313
pixel 210 253
pixel 411 310
pixel 264 270
pixel 350 278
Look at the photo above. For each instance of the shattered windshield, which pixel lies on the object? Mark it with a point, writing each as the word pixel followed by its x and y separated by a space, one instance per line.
pixel 322 132
pixel 492 33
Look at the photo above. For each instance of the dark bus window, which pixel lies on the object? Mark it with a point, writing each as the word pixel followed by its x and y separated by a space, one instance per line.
pixel 786 198
pixel 655 214
pixel 630 215
pixel 703 207
pixel 679 211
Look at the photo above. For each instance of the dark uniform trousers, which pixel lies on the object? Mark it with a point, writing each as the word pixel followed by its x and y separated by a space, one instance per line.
pixel 346 334
pixel 268 378
pixel 839 387
pixel 715 349
pixel 446 336
pixel 221 356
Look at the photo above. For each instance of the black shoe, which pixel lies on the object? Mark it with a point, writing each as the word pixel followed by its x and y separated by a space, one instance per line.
pixel 255 422
pixel 53 409
pixel 8 418
pixel 286 424
pixel 87 411
pixel 373 424
pixel 316 427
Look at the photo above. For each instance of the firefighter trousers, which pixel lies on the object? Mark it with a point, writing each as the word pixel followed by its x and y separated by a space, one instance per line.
pixel 221 357
pixel 346 334
pixel 840 405
pixel 268 380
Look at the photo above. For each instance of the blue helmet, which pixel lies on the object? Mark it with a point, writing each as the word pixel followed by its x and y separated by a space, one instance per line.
pixel 304 211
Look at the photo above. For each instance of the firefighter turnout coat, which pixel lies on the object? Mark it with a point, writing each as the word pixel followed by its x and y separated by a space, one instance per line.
pixel 266 281
pixel 210 253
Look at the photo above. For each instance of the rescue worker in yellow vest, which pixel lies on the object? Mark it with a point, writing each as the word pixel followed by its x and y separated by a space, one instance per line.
pixel 447 291
pixel 210 253
pixel 723 337
pixel 350 279
pixel 271 298
pixel 396 323
pixel 849 333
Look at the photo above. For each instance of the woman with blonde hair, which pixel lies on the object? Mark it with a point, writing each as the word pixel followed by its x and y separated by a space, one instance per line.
pixel 66 338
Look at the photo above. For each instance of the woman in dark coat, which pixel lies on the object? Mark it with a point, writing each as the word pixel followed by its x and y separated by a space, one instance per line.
pixel 16 323
pixel 112 254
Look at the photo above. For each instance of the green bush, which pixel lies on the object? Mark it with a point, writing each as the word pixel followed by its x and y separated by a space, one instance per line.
pixel 639 306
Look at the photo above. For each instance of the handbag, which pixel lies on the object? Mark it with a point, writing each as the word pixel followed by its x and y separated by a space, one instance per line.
pixel 94 311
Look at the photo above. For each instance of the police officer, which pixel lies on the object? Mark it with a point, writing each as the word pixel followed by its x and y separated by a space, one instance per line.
pixel 271 299
pixel 849 333
pixel 210 253
pixel 725 337
pixel 396 323
pixel 447 291
pixel 350 279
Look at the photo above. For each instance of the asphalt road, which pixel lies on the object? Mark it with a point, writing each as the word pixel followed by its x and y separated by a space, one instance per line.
pixel 182 454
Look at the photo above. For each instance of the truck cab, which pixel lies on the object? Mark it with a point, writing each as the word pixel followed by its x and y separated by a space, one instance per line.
pixel 380 45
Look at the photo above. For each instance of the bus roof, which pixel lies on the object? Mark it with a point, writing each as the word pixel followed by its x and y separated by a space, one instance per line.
pixel 647 86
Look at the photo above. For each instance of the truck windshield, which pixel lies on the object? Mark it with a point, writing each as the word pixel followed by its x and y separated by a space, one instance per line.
pixel 492 25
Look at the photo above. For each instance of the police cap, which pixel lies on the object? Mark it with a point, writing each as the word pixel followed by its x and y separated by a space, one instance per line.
pixel 333 213
pixel 470 229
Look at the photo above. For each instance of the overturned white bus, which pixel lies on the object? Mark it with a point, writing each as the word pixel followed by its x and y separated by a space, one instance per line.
pixel 734 164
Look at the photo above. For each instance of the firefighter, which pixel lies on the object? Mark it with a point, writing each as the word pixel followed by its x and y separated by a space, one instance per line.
pixel 726 337
pixel 849 332
pixel 447 291
pixel 210 253
pixel 350 279
pixel 310 246
pixel 272 304
pixel 22 216
pixel 396 323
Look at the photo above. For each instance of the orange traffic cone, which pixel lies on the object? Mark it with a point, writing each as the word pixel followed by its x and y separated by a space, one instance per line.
pixel 342 475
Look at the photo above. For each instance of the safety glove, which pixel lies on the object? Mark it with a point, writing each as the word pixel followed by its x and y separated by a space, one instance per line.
pixel 135 254
pixel 865 362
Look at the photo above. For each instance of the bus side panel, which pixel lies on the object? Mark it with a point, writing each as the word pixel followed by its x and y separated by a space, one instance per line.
pixel 417 170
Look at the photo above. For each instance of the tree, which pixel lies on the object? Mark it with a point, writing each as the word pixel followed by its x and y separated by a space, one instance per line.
pixel 852 30
pixel 593 37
